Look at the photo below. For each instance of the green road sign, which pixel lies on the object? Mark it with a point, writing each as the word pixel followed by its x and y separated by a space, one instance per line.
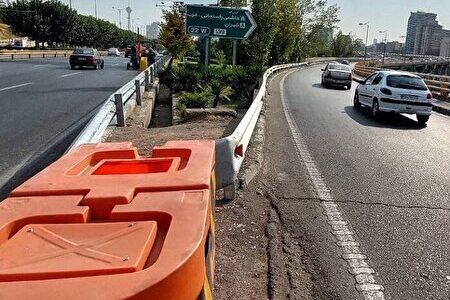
pixel 221 22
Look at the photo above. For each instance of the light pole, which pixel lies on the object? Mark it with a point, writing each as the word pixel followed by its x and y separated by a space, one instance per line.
pixel 120 15
pixel 367 38
pixel 95 9
pixel 404 48
pixel 385 44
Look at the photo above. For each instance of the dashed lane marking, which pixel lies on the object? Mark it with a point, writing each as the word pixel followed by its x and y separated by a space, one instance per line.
pixel 15 86
pixel 70 74
pixel 344 238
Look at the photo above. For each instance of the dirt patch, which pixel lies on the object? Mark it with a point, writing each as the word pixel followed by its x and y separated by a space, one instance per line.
pixel 209 127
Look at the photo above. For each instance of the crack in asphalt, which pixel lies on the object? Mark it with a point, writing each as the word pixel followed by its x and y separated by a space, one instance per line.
pixel 367 203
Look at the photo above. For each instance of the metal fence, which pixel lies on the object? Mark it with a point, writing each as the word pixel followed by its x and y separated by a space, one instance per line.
pixel 118 105
pixel 29 54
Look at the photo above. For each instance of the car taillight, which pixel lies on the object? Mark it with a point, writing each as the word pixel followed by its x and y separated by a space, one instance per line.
pixel 429 96
pixel 386 91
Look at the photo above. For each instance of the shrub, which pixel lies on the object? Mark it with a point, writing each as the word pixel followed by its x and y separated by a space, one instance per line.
pixel 187 77
pixel 196 99
pixel 220 57
pixel 181 110
pixel 220 91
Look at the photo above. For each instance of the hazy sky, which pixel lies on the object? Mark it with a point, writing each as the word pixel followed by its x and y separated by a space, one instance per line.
pixel 391 15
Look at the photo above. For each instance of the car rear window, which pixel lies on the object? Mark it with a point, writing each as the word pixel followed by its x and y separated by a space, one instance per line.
pixel 339 67
pixel 83 51
pixel 406 82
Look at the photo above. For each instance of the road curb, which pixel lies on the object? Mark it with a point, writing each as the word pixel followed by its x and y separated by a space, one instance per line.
pixel 441 109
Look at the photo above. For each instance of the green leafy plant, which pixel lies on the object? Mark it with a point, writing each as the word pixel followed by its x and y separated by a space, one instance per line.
pixel 196 99
pixel 180 109
pixel 187 77
pixel 220 58
pixel 220 91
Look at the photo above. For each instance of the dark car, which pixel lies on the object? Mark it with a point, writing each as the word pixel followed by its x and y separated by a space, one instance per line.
pixel 86 57
pixel 337 74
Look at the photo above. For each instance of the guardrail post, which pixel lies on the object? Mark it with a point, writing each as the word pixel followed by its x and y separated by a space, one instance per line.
pixel 29 55
pixel 12 56
pixel 137 85
pixel 43 55
pixel 119 110
pixel 146 80
pixel 152 71
pixel 55 54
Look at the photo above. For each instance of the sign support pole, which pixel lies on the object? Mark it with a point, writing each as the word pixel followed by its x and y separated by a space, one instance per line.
pixel 207 44
pixel 234 52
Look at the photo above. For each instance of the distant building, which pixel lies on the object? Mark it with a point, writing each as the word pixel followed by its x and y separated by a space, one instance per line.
pixel 425 34
pixel 445 44
pixel 153 31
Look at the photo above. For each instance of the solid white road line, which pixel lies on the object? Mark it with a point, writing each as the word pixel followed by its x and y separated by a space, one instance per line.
pixel 344 238
pixel 70 74
pixel 15 86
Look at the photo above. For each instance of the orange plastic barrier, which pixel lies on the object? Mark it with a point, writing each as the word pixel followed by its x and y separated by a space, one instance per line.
pixel 104 223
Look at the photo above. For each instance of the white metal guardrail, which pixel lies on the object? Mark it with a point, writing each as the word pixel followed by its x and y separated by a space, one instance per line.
pixel 115 105
pixel 13 54
pixel 230 150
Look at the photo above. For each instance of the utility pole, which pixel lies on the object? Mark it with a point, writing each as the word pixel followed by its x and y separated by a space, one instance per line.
pixel 95 8
pixel 120 15
pixel 70 4
pixel 367 38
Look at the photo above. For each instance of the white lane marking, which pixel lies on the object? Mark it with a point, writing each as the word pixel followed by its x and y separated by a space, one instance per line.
pixel 37 66
pixel 345 239
pixel 70 74
pixel 15 86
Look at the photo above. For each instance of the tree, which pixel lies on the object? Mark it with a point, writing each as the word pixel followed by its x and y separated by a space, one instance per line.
pixel 172 34
pixel 259 45
pixel 55 23
pixel 345 45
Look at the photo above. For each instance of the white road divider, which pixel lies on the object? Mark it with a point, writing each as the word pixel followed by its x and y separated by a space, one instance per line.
pixel 231 150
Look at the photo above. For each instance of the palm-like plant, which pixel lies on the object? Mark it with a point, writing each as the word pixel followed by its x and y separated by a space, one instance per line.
pixel 220 91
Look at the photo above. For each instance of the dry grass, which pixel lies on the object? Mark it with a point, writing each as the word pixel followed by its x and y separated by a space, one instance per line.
pixel 5 32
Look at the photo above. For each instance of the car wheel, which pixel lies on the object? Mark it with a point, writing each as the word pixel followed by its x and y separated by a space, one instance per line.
pixel 356 102
pixel 102 65
pixel 375 108
pixel 422 119
pixel 72 67
pixel 349 86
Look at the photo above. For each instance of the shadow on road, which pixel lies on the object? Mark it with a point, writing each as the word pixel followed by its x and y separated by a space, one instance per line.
pixel 330 87
pixel 385 120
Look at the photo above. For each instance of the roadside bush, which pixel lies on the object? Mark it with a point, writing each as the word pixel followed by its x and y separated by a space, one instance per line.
pixel 220 91
pixel 196 99
pixel 187 77
pixel 181 110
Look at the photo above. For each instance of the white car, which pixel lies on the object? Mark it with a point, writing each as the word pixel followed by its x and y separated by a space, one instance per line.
pixel 113 52
pixel 394 91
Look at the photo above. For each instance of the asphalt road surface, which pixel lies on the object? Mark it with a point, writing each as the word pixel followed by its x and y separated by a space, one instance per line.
pixel 389 177
pixel 41 99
